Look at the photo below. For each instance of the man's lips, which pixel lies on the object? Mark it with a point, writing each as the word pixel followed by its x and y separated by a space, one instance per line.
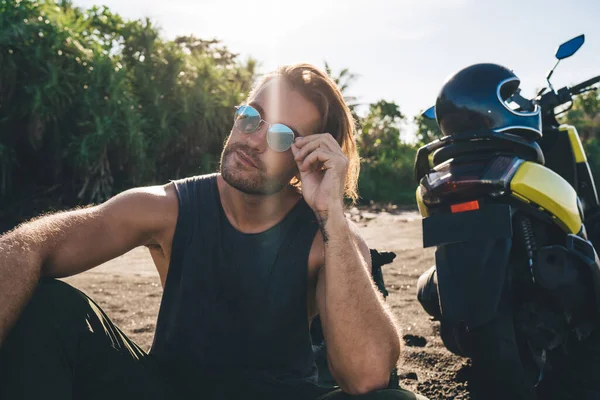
pixel 245 158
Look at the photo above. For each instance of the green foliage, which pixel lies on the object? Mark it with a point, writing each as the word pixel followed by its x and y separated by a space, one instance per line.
pixel 95 104
pixel 387 163
pixel 344 80
pixel 427 130
pixel 92 104
pixel 585 116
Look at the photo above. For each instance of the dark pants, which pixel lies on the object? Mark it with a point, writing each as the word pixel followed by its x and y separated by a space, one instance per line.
pixel 64 347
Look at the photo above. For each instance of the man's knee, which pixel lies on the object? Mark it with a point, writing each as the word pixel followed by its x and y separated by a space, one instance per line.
pixel 46 331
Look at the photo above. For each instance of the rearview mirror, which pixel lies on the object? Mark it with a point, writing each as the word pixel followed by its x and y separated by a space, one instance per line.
pixel 429 113
pixel 567 49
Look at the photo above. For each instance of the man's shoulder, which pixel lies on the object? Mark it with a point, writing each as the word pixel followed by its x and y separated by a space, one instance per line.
pixel 194 184
pixel 196 194
pixel 195 178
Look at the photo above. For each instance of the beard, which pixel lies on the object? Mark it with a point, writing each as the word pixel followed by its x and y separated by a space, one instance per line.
pixel 254 181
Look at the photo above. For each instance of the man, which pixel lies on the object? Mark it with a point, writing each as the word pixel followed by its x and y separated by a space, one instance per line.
pixel 247 258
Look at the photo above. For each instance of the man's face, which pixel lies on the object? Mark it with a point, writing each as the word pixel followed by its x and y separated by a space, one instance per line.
pixel 247 162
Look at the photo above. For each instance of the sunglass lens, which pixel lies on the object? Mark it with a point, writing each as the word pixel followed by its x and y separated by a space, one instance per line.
pixel 247 119
pixel 280 137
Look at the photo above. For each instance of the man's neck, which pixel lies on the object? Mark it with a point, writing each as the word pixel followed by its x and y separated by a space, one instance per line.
pixel 255 213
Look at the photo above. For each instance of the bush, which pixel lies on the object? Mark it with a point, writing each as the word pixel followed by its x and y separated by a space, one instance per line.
pixel 91 104
pixel 389 180
pixel 387 163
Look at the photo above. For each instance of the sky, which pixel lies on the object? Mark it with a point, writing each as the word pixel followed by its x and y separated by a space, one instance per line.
pixel 401 50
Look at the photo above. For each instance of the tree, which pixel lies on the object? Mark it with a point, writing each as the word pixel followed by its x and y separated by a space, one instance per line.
pixel 379 135
pixel 585 115
pixel 91 103
pixel 427 130
pixel 344 79
pixel 387 163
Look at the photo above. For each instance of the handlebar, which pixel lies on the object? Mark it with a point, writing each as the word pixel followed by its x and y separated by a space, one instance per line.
pixel 584 85
pixel 552 99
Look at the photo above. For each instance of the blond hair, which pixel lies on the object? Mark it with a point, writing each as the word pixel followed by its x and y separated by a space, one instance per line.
pixel 336 118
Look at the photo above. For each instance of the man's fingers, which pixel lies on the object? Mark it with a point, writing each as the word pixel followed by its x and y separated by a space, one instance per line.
pixel 325 137
pixel 313 142
pixel 331 139
pixel 308 148
pixel 317 159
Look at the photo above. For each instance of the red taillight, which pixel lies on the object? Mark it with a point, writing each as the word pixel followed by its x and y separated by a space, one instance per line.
pixel 468 206
pixel 453 182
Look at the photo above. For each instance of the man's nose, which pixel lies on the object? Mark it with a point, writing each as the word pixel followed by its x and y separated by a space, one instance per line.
pixel 257 140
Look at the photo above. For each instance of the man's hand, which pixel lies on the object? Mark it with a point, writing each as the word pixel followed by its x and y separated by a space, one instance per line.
pixel 323 167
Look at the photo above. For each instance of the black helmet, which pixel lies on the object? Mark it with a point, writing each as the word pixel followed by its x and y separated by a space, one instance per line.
pixel 477 98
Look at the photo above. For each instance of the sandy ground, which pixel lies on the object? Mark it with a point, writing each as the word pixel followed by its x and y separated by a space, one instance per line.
pixel 129 290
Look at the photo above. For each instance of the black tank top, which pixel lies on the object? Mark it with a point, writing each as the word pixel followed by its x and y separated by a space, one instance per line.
pixel 235 302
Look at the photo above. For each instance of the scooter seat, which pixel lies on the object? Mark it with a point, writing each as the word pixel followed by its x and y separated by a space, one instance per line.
pixel 529 152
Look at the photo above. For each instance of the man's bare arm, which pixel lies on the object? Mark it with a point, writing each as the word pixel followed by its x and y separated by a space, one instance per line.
pixel 71 242
pixel 363 343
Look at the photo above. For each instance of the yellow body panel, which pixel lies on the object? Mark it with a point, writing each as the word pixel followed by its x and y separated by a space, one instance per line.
pixel 576 145
pixel 549 191
pixel 422 207
pixel 518 196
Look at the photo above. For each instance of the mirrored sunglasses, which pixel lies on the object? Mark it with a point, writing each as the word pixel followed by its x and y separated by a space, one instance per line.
pixel 279 136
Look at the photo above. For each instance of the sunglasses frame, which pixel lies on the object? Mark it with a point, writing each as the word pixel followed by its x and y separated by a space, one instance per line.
pixel 269 125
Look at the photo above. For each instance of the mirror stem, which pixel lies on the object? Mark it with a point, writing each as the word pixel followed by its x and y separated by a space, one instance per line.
pixel 550 75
